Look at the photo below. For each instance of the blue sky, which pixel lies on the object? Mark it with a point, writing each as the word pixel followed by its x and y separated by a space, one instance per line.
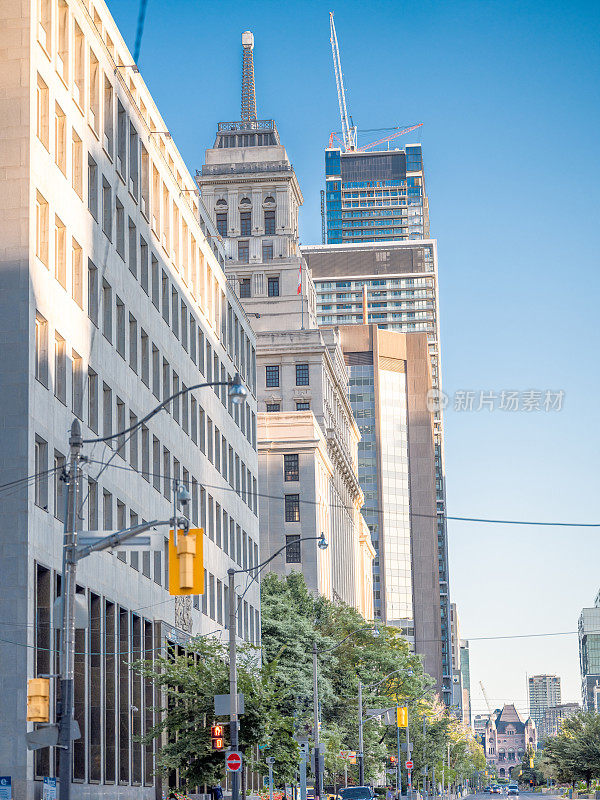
pixel 509 96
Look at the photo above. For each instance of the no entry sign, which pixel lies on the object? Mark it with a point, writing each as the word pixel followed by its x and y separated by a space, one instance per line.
pixel 409 765
pixel 233 762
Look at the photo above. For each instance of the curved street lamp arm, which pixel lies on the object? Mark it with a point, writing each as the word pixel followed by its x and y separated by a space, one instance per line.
pixel 277 552
pixel 156 410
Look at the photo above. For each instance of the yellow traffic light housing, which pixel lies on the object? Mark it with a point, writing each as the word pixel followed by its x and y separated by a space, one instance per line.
pixel 38 700
pixel 402 717
pixel 186 562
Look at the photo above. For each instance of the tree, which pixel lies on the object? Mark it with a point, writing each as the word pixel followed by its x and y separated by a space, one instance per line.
pixel 186 686
pixel 574 754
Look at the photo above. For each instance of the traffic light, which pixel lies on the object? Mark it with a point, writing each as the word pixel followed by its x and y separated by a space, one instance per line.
pixel 216 734
pixel 393 760
pixel 186 563
pixel 402 717
pixel 38 700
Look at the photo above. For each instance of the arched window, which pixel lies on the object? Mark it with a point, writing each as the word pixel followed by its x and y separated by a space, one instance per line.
pixel 501 772
pixel 221 202
pixel 245 201
pixel 269 201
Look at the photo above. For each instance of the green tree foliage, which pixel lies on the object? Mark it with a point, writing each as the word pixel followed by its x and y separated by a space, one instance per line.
pixel 574 754
pixel 186 685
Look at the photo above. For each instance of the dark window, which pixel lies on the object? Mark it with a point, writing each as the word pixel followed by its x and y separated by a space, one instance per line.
pixel 267 251
pixel 245 287
pixel 292 508
pixel 243 251
pixel 269 223
pixel 292 549
pixel 291 467
pixel 301 374
pixel 303 405
pixel 246 223
pixel 273 284
pixel 273 406
pixel 222 224
pixel 272 376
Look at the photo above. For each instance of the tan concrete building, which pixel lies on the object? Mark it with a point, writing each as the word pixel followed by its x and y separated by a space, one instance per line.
pixel 307 435
pixel 390 376
pixel 113 298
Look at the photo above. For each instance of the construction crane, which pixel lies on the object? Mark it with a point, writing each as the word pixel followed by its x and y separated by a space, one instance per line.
pixel 348 131
pixel 487 702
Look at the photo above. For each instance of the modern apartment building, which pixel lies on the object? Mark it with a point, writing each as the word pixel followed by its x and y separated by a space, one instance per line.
pixel 307 435
pixel 389 377
pixel 589 656
pixel 554 717
pixel 544 691
pixel 113 298
pixel 400 279
pixel 375 196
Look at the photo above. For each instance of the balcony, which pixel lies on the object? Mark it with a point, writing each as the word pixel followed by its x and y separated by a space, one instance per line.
pixel 248 125
pixel 247 167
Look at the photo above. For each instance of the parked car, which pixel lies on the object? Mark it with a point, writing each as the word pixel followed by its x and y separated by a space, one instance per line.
pixel 357 793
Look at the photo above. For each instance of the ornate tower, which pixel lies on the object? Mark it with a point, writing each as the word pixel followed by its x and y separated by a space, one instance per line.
pixel 248 91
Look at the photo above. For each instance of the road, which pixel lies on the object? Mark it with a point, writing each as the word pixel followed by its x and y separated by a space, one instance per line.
pixel 522 796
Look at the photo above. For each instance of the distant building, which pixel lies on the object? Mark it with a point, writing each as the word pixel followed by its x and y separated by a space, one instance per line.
pixel 507 739
pixel 479 723
pixel 389 377
pixel 553 719
pixel 457 685
pixel 465 672
pixel 307 435
pixel 544 691
pixel 589 656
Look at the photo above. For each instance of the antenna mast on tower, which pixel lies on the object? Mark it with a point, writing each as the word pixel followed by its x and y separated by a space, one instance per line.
pixel 348 131
pixel 248 90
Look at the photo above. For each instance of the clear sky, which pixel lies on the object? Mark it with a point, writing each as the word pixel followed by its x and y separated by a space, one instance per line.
pixel 509 96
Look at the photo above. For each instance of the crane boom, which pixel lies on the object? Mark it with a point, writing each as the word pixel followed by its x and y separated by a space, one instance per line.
pixel 348 133
pixel 389 138
pixel 487 702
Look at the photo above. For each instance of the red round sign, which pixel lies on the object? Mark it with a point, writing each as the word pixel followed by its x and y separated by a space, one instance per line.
pixel 233 762
pixel 409 765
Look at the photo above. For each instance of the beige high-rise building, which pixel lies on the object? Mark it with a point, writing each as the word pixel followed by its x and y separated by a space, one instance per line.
pixel 307 434
pixel 113 299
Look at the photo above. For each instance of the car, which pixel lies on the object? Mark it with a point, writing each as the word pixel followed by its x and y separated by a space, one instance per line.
pixel 496 789
pixel 513 790
pixel 357 793
pixel 487 790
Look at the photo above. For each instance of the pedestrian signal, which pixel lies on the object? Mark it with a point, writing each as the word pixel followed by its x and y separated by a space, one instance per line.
pixel 402 717
pixel 216 734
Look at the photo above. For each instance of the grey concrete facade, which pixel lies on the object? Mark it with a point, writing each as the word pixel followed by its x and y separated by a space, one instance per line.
pixel 113 297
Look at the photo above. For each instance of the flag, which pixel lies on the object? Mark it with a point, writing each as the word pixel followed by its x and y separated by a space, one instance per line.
pixel 299 290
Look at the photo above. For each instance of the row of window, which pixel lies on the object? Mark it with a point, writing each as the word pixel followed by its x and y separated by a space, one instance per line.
pixel 272 286
pixel 243 251
pixel 272 376
pixel 301 405
pixel 246 222
pixel 104 511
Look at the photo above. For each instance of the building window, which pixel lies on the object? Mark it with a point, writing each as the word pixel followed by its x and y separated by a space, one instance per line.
pixel 60 368
pixel 244 251
pixel 41 349
pixel 42 228
pixel 77 273
pixel 222 224
pixel 62 55
pixel 269 223
pixel 245 287
pixel 292 549
pixel 59 486
pixel 107 208
pixel 92 187
pixel 60 253
pixel 92 292
pixel 94 89
pixel 301 374
pixel 272 376
pixel 43 111
pixel 302 405
pixel 246 223
pixel 93 400
pixel 120 215
pixel 41 473
pixel 291 467
pixel 273 407
pixel 60 139
pixel 273 286
pixel 267 251
pixel 292 508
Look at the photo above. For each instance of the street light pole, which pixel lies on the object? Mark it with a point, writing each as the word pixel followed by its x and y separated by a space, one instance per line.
pixel 361 754
pixel 67 590
pixel 233 707
pixel 316 724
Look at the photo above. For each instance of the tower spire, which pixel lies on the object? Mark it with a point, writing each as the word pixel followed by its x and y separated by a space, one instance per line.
pixel 248 91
